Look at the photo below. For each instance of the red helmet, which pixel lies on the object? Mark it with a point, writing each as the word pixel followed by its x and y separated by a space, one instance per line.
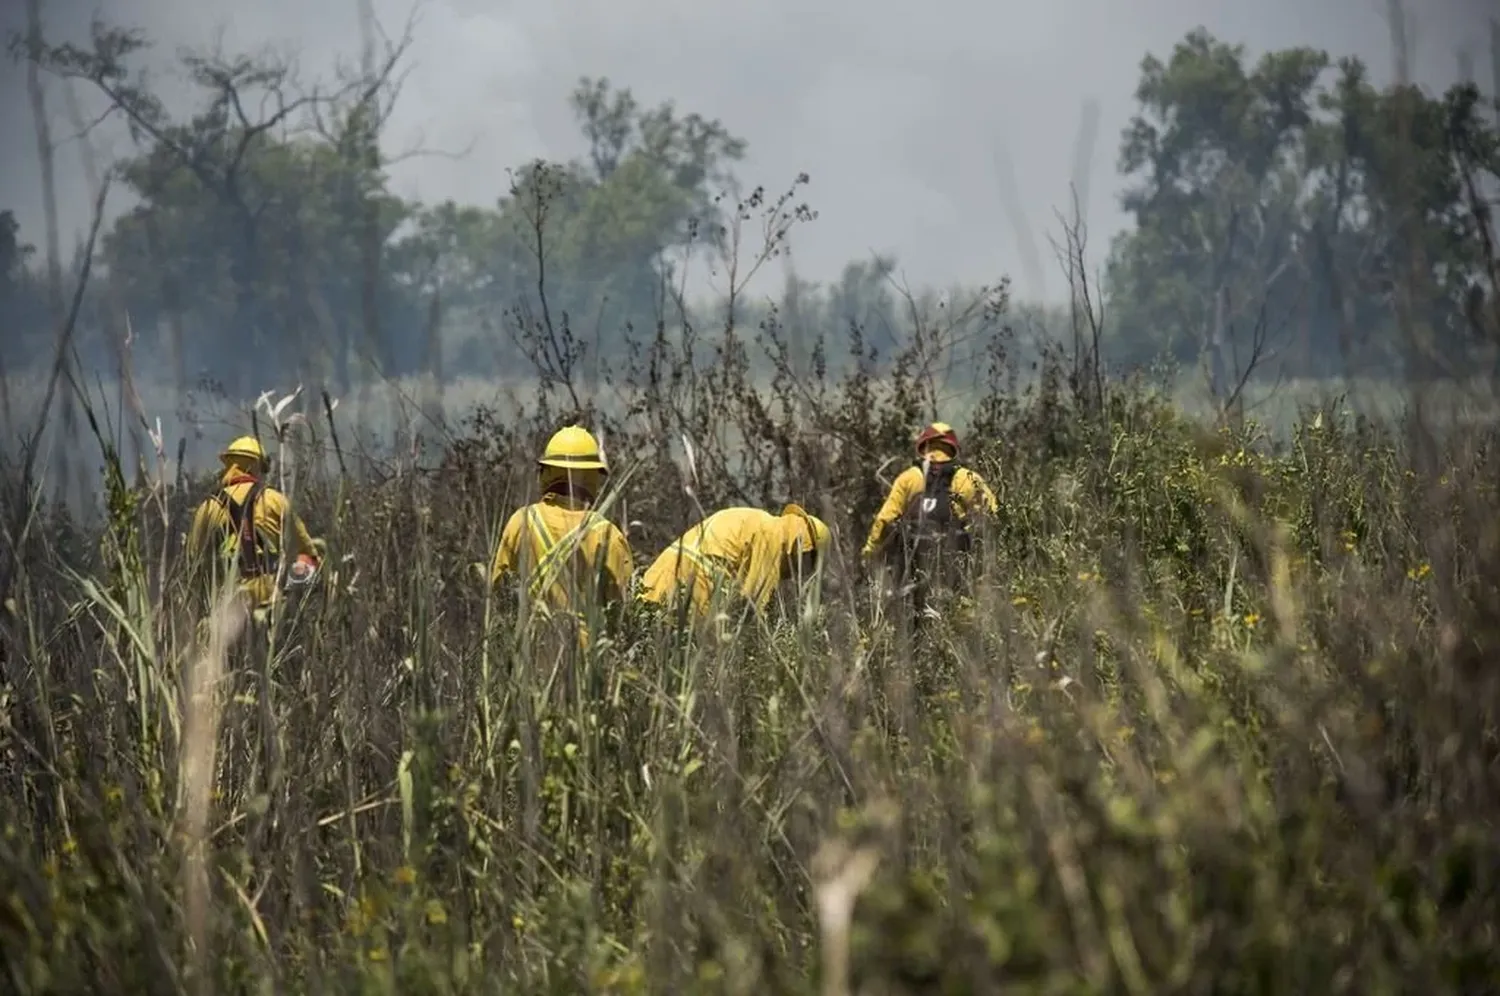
pixel 940 438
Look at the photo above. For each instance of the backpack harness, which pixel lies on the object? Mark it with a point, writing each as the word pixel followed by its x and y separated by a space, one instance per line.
pixel 554 553
pixel 256 556
pixel 932 539
pixel 930 519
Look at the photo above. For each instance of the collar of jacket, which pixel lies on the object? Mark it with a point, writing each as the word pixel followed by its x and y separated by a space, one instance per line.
pixel 576 503
pixel 238 477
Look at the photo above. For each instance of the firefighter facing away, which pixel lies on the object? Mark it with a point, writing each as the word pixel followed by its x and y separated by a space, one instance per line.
pixel 559 545
pixel 936 492
pixel 246 519
pixel 738 551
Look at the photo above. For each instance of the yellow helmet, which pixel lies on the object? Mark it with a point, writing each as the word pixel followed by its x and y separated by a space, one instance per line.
pixel 817 530
pixel 573 448
pixel 244 448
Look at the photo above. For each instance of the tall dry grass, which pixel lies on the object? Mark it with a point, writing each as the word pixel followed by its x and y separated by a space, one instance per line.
pixel 1219 716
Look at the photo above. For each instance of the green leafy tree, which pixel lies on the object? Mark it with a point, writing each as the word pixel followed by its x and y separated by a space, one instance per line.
pixel 1215 156
pixel 253 254
pixel 1266 199
pixel 276 289
pixel 453 257
pixel 577 252
pixel 1398 219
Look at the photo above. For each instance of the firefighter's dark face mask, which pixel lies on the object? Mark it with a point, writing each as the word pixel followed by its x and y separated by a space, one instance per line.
pixel 252 468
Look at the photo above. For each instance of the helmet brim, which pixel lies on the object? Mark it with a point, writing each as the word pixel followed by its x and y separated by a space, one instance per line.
pixel 240 456
pixel 573 463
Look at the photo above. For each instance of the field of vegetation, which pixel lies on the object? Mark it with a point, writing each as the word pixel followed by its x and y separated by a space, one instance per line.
pixel 1220 712
pixel 1220 717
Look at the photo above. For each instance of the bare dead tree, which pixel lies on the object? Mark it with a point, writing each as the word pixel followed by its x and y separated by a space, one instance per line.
pixel 1395 13
pixel 947 337
pixel 777 219
pixel 1259 351
pixel 45 158
pixel 1495 69
pixel 432 401
pixel 1216 349
pixel 1015 214
pixel 1240 356
pixel 550 346
pixel 1083 157
pixel 1482 303
pixel 706 412
pixel 47 162
pixel 796 323
pixel 1085 313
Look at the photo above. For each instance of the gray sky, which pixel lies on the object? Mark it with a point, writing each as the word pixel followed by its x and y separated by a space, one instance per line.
pixel 895 109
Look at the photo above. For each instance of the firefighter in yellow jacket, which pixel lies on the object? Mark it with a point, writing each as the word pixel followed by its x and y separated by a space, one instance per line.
pixel 246 520
pixel 937 475
pixel 560 546
pixel 736 551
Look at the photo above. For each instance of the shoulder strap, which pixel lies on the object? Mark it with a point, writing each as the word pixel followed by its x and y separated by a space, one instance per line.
pixel 242 526
pixel 543 541
pixel 932 507
pixel 250 545
pixel 236 508
pixel 552 552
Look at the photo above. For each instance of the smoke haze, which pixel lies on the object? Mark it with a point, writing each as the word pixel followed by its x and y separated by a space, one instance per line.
pixel 905 116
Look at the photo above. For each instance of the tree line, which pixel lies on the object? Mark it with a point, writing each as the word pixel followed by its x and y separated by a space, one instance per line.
pixel 1287 214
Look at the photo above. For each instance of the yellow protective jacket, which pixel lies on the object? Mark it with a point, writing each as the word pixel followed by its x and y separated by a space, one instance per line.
pixel 969 489
pixel 737 551
pixel 213 531
pixel 559 545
